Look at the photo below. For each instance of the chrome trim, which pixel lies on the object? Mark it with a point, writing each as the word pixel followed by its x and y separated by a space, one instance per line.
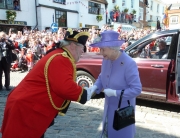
pixel 154 94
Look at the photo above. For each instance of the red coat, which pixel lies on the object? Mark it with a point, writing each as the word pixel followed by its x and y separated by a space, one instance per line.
pixel 28 111
pixel 29 57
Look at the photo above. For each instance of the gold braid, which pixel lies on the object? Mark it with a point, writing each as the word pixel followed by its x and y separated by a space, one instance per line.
pixel 46 77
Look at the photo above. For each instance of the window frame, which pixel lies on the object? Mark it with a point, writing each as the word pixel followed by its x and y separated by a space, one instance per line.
pixel 151 17
pixel 174 17
pixel 92 9
pixel 162 9
pixel 141 13
pixel 60 1
pixel 123 3
pixel 57 17
pixel 151 5
pixel 157 8
pixel 144 44
pixel 132 3
pixel 5 4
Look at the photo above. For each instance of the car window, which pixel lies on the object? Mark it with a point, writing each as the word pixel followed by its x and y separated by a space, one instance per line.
pixel 168 40
pixel 156 48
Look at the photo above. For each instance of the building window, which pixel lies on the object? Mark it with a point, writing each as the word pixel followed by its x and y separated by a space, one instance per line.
pixel 94 8
pixel 123 3
pixel 60 1
pixel 141 11
pixel 151 17
pixel 151 5
pixel 157 8
pixel 162 10
pixel 147 17
pixel 10 4
pixel 132 3
pixel 174 20
pixel 61 18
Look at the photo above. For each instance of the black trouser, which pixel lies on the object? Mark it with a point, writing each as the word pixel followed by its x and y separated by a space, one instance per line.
pixel 5 67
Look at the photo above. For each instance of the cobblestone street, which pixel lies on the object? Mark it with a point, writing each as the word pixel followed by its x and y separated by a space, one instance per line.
pixel 84 121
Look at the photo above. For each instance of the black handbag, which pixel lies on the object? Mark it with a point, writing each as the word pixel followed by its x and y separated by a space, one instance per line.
pixel 123 117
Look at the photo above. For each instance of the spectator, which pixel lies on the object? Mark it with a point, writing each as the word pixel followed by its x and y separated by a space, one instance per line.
pixel 22 63
pixel 127 18
pixel 158 26
pixel 6 47
pixel 119 29
pixel 162 50
pixel 14 65
pixel 130 19
pixel 93 29
pixel 111 15
pixel 29 58
pixel 122 16
pixel 117 15
pixel 36 49
pixel 16 5
pixel 114 16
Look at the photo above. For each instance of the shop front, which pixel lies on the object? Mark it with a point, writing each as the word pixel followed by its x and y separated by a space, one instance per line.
pixel 15 26
pixel 90 26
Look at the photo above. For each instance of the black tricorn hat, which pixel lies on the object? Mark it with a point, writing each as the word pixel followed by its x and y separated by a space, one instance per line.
pixel 79 37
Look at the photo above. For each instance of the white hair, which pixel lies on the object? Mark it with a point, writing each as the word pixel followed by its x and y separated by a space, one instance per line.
pixel 65 43
pixel 116 48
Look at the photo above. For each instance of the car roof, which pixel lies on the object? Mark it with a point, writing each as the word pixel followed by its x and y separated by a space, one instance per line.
pixel 153 35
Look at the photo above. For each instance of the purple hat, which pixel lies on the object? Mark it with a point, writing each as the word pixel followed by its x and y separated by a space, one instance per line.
pixel 107 39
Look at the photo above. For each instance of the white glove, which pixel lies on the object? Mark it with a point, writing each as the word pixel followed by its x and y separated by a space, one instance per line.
pixel 89 94
pixel 93 88
pixel 110 92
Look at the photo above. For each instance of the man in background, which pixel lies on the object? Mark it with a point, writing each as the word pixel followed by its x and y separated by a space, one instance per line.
pixel 6 58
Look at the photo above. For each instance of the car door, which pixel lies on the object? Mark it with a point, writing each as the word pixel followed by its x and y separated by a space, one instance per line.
pixel 153 75
pixel 153 72
pixel 173 83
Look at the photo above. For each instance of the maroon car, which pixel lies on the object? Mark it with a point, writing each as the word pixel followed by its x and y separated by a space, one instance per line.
pixel 160 77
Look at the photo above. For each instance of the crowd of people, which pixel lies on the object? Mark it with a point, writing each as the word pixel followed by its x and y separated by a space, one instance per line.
pixel 31 46
pixel 121 16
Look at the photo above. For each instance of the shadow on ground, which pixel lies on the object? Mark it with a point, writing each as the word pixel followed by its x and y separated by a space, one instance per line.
pixel 84 121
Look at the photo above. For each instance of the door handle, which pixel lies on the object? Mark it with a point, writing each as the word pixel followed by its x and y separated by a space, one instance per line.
pixel 157 66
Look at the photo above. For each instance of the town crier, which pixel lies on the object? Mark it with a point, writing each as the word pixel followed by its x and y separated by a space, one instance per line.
pixel 46 90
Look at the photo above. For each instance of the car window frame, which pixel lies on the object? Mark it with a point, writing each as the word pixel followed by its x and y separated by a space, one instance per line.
pixel 146 42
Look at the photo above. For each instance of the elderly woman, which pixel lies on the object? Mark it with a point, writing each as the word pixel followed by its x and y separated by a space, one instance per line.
pixel 118 72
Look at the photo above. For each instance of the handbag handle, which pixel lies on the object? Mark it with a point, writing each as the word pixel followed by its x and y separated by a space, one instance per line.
pixel 120 100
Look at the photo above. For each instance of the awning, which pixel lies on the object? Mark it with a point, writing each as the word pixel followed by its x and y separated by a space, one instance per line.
pixel 19 23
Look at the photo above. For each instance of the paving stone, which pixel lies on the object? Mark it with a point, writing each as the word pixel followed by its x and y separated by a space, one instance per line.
pixel 85 121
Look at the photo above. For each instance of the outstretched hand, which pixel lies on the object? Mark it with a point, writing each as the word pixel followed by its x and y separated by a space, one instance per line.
pixel 89 94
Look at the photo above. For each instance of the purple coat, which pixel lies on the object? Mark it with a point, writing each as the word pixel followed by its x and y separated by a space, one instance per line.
pixel 119 74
